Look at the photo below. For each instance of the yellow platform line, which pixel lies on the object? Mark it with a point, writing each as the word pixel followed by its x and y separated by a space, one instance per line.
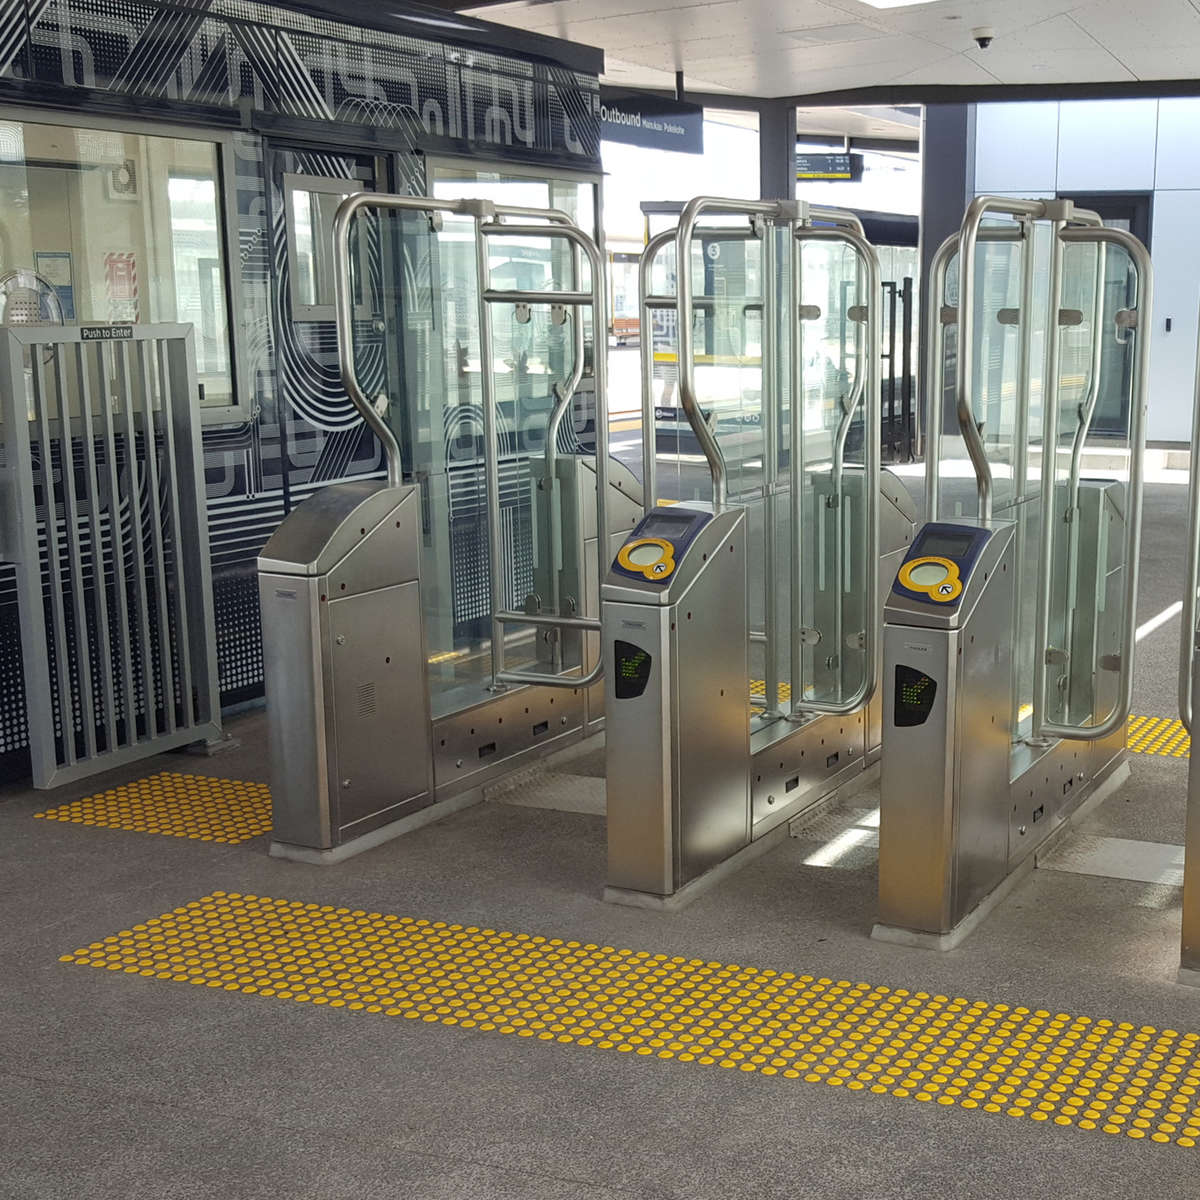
pixel 189 806
pixel 1090 1074
pixel 1158 735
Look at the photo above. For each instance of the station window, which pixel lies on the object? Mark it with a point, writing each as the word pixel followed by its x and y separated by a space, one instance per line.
pixel 103 226
pixel 311 204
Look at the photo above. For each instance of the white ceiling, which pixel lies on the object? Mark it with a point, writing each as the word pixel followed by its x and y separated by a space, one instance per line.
pixel 880 121
pixel 796 47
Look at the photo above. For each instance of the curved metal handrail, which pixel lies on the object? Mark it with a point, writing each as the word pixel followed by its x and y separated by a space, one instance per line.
pixel 980 207
pixel 684 292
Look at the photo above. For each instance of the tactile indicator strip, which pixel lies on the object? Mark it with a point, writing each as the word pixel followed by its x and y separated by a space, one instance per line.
pixel 1047 1067
pixel 1159 735
pixel 190 806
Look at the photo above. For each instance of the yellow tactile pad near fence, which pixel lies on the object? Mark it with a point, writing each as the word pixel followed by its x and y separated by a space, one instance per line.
pixel 190 806
pixel 996 1059
pixel 1158 735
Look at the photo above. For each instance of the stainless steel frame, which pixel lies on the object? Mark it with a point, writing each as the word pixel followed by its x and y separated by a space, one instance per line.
pixel 106 409
pixel 494 221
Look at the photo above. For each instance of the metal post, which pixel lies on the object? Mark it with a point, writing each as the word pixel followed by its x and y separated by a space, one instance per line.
pixel 1021 442
pixel 769 407
pixel 796 467
pixel 491 464
pixel 912 433
pixel 646 349
pixel 933 381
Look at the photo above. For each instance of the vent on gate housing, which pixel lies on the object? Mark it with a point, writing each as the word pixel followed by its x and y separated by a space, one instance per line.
pixel 366 699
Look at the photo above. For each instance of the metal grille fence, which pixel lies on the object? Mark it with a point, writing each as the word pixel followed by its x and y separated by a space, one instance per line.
pixel 103 516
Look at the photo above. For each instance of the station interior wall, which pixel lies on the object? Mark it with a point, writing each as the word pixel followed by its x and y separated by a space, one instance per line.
pixel 1043 149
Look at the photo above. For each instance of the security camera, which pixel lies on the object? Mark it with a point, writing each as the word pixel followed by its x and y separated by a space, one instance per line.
pixel 983 36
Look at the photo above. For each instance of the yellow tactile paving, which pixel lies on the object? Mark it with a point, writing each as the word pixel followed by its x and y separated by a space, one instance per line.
pixel 1091 1074
pixel 189 806
pixel 1159 735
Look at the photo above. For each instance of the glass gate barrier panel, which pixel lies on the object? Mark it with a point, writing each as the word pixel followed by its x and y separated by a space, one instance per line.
pixel 780 310
pixel 836 570
pixel 439 417
pixel 1091 533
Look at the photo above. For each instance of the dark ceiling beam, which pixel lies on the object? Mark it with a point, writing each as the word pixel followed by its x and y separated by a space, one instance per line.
pixel 895 96
pixel 884 145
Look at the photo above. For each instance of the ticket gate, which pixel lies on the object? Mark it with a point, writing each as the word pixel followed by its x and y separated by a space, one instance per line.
pixel 393 611
pixel 1009 633
pixel 740 637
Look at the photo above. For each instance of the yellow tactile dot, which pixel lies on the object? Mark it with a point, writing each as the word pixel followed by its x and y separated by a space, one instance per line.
pixel 224 811
pixel 1158 735
pixel 1056 1070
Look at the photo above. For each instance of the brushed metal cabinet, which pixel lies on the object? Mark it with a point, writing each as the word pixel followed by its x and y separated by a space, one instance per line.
pixel 344 658
pixel 916 784
pixel 711 680
pixel 983 743
pixel 677 753
pixel 292 652
pixel 639 763
pixel 378 708
pixel 944 784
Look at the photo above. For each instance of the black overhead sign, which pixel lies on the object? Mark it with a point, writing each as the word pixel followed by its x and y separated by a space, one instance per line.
pixel 828 166
pixel 658 122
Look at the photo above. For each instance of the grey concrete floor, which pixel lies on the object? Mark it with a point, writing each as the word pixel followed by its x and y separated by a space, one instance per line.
pixel 118 1086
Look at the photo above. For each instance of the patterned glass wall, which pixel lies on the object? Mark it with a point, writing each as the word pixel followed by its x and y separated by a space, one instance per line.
pixel 187 61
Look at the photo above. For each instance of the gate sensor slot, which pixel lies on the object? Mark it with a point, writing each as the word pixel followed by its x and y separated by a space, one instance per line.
pixel 488 750
pixel 540 728
pixel 792 784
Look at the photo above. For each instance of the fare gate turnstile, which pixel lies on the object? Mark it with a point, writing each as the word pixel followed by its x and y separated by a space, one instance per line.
pixel 1009 633
pixel 740 628
pixel 795 603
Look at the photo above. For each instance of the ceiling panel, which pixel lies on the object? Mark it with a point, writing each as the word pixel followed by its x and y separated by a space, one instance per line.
pixel 1051 66
pixel 1161 23
pixel 764 48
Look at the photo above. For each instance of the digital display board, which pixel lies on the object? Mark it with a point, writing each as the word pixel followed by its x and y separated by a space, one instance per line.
pixel 941 543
